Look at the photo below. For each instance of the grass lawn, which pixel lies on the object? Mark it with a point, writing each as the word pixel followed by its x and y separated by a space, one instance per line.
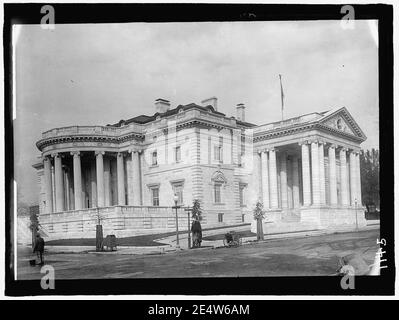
pixel 138 241
pixel 243 234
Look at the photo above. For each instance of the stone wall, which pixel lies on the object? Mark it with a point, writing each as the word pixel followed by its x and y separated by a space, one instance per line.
pixel 119 220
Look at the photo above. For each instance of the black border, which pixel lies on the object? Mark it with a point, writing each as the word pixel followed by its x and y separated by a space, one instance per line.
pixel 117 13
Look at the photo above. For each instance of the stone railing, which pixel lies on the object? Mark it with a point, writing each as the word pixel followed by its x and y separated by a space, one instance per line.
pixel 92 130
pixel 287 123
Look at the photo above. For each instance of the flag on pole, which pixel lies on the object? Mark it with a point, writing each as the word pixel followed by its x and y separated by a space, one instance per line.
pixel 282 98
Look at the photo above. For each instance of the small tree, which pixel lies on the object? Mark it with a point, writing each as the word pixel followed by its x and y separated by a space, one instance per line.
pixel 34 225
pixel 196 212
pixel 259 215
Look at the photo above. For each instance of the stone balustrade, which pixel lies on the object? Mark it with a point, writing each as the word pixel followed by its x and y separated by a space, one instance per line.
pixel 92 130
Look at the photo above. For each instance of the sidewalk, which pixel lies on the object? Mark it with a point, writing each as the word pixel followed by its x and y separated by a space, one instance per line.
pixel 170 242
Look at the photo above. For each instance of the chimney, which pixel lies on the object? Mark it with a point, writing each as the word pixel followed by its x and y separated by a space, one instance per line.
pixel 211 101
pixel 162 105
pixel 240 111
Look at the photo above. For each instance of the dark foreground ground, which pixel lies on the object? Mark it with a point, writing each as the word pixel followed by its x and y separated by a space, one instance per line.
pixel 310 256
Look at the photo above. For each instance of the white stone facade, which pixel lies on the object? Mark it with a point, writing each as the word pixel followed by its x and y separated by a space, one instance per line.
pixel 305 170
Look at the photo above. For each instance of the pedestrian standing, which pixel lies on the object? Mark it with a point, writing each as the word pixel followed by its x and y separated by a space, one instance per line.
pixel 39 248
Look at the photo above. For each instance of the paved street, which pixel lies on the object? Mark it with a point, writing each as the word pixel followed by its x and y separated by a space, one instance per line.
pixel 307 256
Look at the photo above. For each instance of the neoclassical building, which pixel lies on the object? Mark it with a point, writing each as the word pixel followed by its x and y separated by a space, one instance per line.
pixel 305 170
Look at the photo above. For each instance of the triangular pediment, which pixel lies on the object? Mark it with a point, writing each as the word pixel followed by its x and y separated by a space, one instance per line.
pixel 219 177
pixel 341 121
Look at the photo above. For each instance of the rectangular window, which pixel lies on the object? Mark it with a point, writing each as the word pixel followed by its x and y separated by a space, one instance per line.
pixel 217 153
pixel 178 190
pixel 220 217
pixel 155 197
pixel 217 190
pixel 154 158
pixel 242 195
pixel 178 154
pixel 242 145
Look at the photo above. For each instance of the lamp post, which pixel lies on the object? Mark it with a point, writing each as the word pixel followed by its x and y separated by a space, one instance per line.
pixel 176 198
pixel 188 209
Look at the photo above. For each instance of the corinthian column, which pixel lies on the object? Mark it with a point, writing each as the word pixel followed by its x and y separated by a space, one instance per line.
pixel 107 182
pixel 265 180
pixel 100 178
pixel 295 182
pixel 315 173
pixel 48 185
pixel 322 174
pixel 77 180
pixel 359 182
pixel 332 175
pixel 353 178
pixel 273 179
pixel 59 183
pixel 344 177
pixel 283 177
pixel 136 178
pixel 121 179
pixel 306 174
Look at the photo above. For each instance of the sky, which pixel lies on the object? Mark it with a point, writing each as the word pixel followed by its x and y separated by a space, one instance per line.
pixel 95 74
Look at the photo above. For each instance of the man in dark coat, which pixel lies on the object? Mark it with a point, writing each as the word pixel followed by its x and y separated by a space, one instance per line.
pixel 39 247
pixel 196 233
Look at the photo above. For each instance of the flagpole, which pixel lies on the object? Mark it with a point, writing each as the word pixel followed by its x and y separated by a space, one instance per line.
pixel 282 98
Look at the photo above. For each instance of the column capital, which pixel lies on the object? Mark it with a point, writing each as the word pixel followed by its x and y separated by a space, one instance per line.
pixel 354 151
pixel 135 151
pixel 322 142
pixel 46 158
pixel 75 153
pixel 333 146
pixel 343 149
pixel 56 155
pixel 120 154
pixel 316 141
pixel 304 142
pixel 99 152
